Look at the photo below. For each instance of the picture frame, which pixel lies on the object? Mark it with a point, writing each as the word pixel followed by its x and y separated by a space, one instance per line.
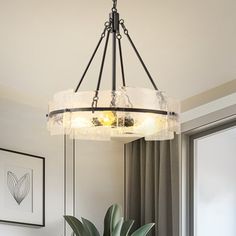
pixel 22 188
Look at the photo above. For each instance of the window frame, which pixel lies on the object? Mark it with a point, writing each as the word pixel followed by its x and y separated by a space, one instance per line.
pixel 187 183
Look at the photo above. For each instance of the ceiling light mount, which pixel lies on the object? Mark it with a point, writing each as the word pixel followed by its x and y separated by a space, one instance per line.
pixel 123 113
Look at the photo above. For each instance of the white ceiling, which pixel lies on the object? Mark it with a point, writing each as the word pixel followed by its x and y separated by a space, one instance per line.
pixel 188 45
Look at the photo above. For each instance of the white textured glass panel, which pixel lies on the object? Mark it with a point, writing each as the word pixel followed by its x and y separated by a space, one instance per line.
pixel 150 114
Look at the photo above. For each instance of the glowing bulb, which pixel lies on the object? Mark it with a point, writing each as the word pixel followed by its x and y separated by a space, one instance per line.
pixel 107 118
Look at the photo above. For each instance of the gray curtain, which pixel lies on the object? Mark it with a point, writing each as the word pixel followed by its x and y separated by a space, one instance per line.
pixel 152 184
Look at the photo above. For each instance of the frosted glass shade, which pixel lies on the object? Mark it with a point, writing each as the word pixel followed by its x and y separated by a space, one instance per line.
pixel 127 113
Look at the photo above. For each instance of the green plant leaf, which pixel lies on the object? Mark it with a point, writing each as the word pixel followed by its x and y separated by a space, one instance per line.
pixel 111 219
pixel 90 228
pixel 126 227
pixel 76 225
pixel 118 227
pixel 142 231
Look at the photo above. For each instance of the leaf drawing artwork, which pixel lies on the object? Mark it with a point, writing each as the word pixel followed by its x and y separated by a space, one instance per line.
pixel 19 188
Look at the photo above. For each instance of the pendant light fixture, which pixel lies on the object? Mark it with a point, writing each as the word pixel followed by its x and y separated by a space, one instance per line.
pixel 124 113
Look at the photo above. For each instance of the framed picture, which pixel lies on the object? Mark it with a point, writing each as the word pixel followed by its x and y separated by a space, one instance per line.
pixel 22 188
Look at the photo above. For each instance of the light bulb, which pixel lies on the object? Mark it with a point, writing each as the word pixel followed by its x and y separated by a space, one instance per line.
pixel 107 118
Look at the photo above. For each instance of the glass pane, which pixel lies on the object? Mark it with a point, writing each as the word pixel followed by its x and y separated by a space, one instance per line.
pixel 215 184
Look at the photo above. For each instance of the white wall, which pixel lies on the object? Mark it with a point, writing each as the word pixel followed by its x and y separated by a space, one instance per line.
pixel 208 108
pixel 22 128
pixel 99 168
pixel 99 179
pixel 215 185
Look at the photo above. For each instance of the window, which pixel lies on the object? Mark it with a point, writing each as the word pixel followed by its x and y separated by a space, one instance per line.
pixel 215 184
pixel 211 182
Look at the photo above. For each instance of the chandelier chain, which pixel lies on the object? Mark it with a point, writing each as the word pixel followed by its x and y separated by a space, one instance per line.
pixel 122 23
pixel 118 36
pixel 114 7
pixel 94 103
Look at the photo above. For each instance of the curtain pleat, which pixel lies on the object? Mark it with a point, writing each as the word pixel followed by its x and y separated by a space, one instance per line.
pixel 152 184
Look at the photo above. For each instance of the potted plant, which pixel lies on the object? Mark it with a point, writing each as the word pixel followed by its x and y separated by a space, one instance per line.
pixel 114 225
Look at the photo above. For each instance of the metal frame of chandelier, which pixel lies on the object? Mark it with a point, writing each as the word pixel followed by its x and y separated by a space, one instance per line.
pixel 126 113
